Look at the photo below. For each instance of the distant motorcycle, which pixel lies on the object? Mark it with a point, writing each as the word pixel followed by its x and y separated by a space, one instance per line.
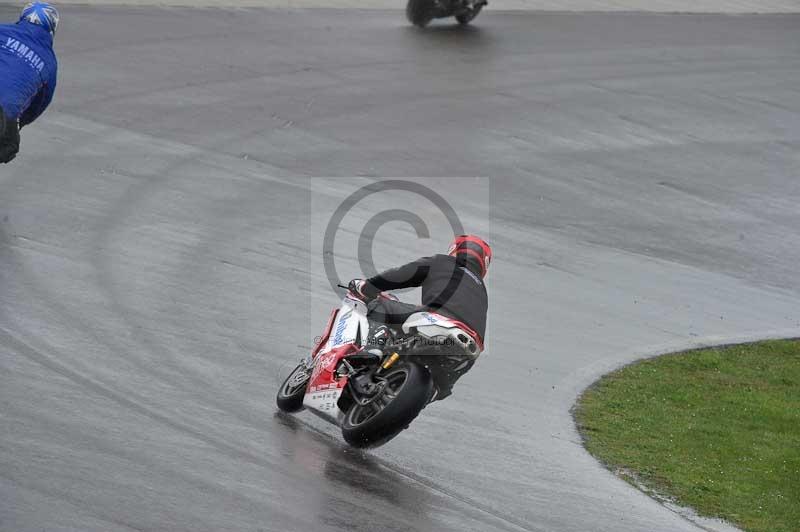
pixel 421 12
pixel 373 388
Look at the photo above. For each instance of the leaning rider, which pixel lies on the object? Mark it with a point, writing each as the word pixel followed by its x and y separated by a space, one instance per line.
pixel 452 285
pixel 28 71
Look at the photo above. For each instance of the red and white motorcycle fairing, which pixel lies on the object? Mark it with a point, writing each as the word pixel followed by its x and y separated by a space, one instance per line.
pixel 344 335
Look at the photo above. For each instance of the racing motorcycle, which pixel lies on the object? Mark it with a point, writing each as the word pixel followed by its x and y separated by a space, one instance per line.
pixel 373 381
pixel 421 12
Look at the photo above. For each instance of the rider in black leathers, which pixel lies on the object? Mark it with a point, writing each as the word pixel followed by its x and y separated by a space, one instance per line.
pixel 452 285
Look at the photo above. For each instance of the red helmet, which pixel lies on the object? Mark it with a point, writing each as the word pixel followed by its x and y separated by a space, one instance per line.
pixel 474 247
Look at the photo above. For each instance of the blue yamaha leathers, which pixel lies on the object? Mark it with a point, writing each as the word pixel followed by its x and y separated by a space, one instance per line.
pixel 28 70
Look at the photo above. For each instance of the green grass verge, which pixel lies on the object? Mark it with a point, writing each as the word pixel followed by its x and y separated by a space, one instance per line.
pixel 715 429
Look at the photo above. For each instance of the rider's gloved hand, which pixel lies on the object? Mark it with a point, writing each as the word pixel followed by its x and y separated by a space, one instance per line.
pixel 363 290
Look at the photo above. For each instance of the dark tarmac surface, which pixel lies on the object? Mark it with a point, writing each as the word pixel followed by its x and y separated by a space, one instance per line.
pixel 159 268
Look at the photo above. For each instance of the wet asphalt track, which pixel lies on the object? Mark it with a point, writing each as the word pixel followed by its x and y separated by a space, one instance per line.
pixel 155 254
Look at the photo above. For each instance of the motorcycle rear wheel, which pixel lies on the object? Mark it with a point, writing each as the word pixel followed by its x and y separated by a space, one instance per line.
pixel 293 390
pixel 409 386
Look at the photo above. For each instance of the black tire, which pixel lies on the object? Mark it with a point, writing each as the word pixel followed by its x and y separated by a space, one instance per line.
pixel 468 17
pixel 291 393
pixel 419 12
pixel 408 390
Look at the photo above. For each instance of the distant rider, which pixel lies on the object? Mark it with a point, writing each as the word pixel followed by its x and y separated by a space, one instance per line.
pixel 28 70
pixel 452 285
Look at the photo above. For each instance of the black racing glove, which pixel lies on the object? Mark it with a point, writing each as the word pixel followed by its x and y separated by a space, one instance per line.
pixel 363 290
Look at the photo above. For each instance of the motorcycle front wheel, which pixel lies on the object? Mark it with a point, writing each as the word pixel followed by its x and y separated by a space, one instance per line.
pixel 408 388
pixel 468 17
pixel 293 390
